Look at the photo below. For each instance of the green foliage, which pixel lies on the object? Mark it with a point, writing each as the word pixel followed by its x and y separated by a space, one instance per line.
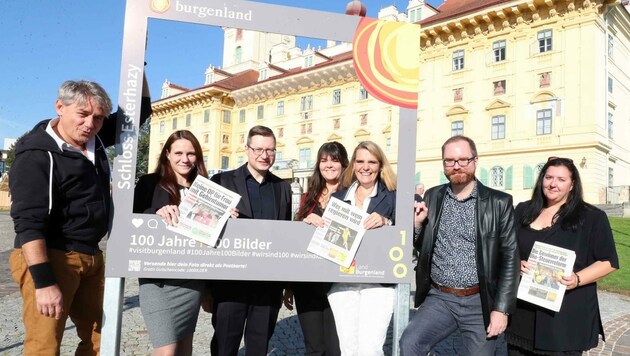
pixel 144 135
pixel 11 154
pixel 619 281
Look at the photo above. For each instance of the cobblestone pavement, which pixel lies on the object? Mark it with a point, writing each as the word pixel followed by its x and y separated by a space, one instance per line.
pixel 287 339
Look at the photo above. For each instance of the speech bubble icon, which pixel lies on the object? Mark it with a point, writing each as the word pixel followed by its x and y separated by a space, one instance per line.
pixel 152 223
pixel 137 222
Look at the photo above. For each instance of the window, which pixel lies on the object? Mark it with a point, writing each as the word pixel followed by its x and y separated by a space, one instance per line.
pixel 610 125
pixel 241 160
pixel 309 128
pixel 305 158
pixel 225 139
pixel 610 85
pixel 499 87
pixel 303 129
pixel 458 94
pixel 238 54
pixel 364 119
pixel 498 48
pixel 496 177
pixel 308 61
pixel 280 108
pixel 457 128
pixel 209 77
pixel 280 133
pixel 174 127
pixel 205 138
pixel 261 112
pixel 336 123
pixel 336 97
pixel 611 46
pixel 263 74
pixel 538 169
pixel 225 162
pixel 188 120
pixel 498 127
pixel 544 80
pixel 414 15
pixel 363 94
pixel 227 116
pixel 611 176
pixel 206 115
pixel 241 116
pixel 306 103
pixel 241 138
pixel 458 60
pixel 544 41
pixel 278 155
pixel 543 122
pixel 162 126
pixel 388 143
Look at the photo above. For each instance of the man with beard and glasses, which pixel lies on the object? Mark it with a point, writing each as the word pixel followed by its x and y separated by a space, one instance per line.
pixel 468 264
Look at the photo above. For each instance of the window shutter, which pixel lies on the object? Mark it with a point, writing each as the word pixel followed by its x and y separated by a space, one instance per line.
pixel 508 178
pixel 484 176
pixel 528 179
pixel 443 178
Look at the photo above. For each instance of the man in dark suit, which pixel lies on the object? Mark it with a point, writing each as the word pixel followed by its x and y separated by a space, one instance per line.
pixel 251 306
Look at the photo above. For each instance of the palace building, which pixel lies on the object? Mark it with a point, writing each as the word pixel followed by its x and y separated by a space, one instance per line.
pixel 525 79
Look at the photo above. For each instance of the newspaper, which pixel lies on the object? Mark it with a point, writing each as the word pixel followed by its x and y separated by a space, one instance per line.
pixel 339 239
pixel 204 211
pixel 548 264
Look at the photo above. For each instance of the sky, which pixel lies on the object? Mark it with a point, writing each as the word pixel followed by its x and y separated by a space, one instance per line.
pixel 44 43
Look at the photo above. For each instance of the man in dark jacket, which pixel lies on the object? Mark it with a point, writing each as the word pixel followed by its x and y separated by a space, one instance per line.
pixel 60 184
pixel 468 264
pixel 252 306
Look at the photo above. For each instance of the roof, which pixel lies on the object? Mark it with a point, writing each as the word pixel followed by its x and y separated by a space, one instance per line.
pixel 454 8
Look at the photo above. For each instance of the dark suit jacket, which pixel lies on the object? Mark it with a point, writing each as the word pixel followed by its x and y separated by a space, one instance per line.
pixel 235 181
pixel 252 292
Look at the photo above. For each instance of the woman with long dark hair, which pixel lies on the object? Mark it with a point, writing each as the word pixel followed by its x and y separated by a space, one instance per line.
pixel 170 306
pixel 558 215
pixel 314 313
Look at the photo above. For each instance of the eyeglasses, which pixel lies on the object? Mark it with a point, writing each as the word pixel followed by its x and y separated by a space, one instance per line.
pixel 464 162
pixel 553 158
pixel 259 151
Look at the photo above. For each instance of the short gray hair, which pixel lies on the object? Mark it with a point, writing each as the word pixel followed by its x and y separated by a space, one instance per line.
pixel 71 92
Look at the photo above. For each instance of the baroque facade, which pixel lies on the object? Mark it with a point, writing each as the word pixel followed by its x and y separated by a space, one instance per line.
pixel 525 79
pixel 528 80
pixel 308 97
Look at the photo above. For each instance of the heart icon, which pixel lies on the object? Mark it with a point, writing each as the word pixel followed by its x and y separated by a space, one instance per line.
pixel 137 222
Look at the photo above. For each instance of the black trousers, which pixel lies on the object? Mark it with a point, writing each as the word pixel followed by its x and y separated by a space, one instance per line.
pixel 316 319
pixel 249 308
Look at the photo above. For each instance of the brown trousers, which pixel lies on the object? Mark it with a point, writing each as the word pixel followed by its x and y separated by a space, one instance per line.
pixel 81 279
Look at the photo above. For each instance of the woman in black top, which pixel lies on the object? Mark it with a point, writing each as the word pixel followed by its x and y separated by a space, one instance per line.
pixel 316 318
pixel 170 306
pixel 558 215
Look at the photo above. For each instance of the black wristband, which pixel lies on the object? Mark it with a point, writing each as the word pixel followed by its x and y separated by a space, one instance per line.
pixel 43 275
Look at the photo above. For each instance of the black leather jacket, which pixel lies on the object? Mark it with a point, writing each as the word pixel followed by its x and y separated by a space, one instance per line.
pixel 498 264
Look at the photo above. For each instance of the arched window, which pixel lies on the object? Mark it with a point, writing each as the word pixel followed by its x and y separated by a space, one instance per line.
pixel 238 53
pixel 537 170
pixel 497 177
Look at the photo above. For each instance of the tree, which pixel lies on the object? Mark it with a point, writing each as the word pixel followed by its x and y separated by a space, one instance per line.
pixel 142 163
pixel 11 155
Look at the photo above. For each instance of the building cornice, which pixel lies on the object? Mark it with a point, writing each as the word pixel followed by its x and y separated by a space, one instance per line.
pixel 504 17
pixel 326 76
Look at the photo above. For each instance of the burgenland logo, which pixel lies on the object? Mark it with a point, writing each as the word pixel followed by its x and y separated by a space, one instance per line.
pixel 160 6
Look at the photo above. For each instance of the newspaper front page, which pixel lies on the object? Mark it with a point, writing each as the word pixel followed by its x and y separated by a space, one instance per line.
pixel 548 265
pixel 339 239
pixel 204 211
